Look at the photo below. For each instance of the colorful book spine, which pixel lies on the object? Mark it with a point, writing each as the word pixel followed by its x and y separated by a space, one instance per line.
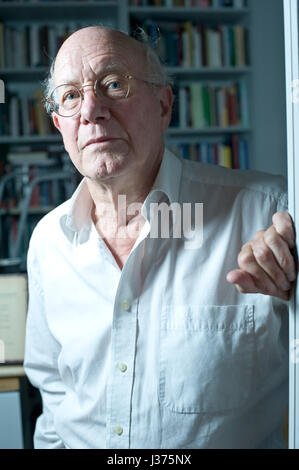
pixel 192 46
pixel 232 153
pixel 213 105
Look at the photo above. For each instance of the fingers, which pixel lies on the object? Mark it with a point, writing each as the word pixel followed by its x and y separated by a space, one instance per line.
pixel 284 226
pixel 273 255
pixel 266 263
pixel 244 282
pixel 260 264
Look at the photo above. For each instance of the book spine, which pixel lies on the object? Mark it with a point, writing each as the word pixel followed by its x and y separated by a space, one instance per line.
pixel 235 151
pixel 2 47
pixel 14 117
pixel 34 45
pixel 243 96
pixel 197 117
pixel 183 109
pixel 243 154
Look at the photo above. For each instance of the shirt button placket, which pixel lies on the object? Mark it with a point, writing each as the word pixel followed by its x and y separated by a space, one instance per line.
pixel 124 336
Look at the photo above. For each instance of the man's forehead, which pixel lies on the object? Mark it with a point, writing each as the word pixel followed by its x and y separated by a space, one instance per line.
pixel 97 50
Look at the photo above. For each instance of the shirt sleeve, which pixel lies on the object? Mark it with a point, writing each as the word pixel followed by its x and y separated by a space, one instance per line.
pixel 40 362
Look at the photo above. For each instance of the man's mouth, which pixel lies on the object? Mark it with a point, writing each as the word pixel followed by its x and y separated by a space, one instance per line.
pixel 99 140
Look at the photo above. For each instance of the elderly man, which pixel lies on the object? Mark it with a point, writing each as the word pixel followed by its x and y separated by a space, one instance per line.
pixel 135 340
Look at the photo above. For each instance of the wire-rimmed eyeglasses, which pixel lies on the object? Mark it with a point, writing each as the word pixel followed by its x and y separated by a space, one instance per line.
pixel 66 99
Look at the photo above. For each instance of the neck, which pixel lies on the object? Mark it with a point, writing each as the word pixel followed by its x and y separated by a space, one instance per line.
pixel 118 203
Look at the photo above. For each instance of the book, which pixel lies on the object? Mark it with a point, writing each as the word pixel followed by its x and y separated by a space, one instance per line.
pixel 239 34
pixel 197 116
pixel 187 41
pixel 197 48
pixel 13 308
pixel 28 158
pixel 235 151
pixel 183 107
pixel 14 116
pixel 206 105
pixel 243 154
pixel 2 48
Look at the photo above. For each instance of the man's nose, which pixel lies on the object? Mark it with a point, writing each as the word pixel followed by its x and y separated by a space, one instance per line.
pixel 93 108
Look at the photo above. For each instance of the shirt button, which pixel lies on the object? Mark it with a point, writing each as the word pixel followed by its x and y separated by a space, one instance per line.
pixel 118 430
pixel 122 367
pixel 125 305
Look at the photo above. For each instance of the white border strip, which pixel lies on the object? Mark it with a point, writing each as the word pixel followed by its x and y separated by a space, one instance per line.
pixel 292 108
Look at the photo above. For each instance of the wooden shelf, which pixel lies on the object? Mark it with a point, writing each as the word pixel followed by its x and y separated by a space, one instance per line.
pixel 31 139
pixel 38 210
pixel 34 11
pixel 11 371
pixel 172 131
pixel 192 13
pixel 207 72
pixel 191 131
pixel 24 74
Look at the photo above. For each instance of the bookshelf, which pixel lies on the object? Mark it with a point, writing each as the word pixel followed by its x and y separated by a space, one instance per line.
pixel 259 21
pixel 199 46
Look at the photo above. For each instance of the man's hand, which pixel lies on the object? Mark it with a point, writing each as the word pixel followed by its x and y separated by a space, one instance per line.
pixel 266 263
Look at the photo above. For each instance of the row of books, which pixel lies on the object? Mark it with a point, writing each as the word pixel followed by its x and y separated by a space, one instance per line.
pixel 200 105
pixel 32 45
pixel 233 154
pixel 27 165
pixel 181 44
pixel 22 115
pixel 190 45
pixel 42 1
pixel 190 3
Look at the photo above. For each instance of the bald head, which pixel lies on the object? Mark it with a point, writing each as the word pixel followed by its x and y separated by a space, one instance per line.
pixel 94 39
pixel 100 34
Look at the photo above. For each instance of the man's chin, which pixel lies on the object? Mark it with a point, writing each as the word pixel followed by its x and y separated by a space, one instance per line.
pixel 108 167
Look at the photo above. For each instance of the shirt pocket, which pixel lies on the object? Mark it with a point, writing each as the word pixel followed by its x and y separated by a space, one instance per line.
pixel 206 357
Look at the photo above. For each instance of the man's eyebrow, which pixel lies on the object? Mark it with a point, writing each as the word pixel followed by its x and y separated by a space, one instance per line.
pixel 111 67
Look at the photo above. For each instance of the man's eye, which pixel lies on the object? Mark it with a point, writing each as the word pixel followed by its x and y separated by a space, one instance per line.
pixel 70 95
pixel 115 85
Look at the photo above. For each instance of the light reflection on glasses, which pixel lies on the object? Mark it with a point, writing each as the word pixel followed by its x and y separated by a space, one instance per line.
pixel 66 99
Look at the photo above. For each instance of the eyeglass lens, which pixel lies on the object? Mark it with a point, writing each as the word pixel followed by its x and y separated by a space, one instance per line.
pixel 67 98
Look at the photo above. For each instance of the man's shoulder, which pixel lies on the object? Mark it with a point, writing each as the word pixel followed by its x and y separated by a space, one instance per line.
pixel 50 224
pixel 254 181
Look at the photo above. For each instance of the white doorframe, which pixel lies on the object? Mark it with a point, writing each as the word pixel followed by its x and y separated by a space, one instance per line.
pixel 292 107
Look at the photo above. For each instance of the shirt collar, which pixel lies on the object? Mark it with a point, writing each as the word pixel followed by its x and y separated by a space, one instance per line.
pixel 169 176
pixel 167 182
pixel 78 216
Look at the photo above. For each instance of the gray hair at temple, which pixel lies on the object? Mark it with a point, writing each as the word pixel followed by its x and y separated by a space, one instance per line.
pixel 157 72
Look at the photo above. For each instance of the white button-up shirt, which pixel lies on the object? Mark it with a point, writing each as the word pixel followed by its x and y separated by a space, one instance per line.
pixel 164 353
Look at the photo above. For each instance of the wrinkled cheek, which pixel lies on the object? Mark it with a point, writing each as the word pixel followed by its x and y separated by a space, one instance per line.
pixel 71 146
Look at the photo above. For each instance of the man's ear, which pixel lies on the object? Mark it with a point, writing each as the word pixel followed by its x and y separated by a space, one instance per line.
pixel 166 101
pixel 56 121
